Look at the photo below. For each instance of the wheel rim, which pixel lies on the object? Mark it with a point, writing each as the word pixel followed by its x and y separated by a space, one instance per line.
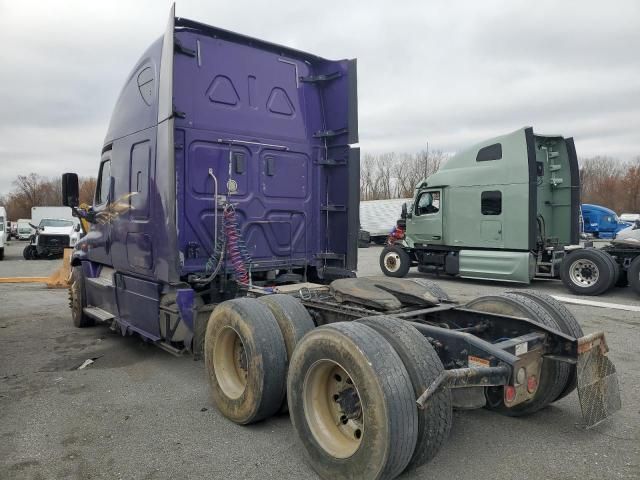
pixel 584 273
pixel 230 363
pixel 333 409
pixel 392 261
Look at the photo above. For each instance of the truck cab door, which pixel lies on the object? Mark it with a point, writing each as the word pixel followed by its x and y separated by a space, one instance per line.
pixel 99 238
pixel 425 224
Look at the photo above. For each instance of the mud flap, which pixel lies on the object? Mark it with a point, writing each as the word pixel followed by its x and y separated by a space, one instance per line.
pixel 597 380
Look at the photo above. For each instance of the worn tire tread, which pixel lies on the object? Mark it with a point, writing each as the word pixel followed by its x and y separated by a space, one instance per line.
pixel 567 322
pixel 556 374
pixel 423 366
pixel 392 378
pixel 270 347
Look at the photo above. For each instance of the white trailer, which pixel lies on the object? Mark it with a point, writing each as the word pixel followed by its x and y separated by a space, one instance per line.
pixel 379 217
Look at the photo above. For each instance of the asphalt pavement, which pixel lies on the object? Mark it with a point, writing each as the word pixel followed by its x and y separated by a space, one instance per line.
pixel 138 412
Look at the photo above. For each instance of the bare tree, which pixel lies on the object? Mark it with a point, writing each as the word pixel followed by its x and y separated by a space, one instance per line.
pixel 34 190
pixel 87 189
pixel 391 175
pixel 631 187
pixel 31 187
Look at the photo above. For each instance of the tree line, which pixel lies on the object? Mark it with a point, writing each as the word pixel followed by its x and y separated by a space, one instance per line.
pixel 34 190
pixel 395 175
pixel 611 183
pixel 604 181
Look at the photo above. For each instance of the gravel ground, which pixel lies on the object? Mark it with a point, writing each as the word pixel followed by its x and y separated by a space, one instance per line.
pixel 140 413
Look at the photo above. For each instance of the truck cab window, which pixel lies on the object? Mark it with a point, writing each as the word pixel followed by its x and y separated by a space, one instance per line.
pixel 491 152
pixel 428 203
pixel 104 180
pixel 491 202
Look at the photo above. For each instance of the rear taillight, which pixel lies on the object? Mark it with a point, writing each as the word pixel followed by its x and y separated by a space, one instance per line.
pixel 509 393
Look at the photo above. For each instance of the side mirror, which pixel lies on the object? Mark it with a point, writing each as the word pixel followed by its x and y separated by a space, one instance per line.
pixel 70 190
pixel 77 227
pixel 403 214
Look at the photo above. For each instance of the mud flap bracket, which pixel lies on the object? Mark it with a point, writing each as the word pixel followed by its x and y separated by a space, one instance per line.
pixel 466 377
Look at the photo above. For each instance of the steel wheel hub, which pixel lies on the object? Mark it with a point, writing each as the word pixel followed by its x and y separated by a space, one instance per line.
pixel 332 408
pixel 392 261
pixel 230 363
pixel 584 273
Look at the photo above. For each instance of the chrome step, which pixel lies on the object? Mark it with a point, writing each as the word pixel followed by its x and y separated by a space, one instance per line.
pixel 101 281
pixel 98 314
pixel 171 349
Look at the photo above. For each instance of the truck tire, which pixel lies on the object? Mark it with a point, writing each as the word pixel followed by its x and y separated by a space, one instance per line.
pixel 567 323
pixel 246 359
pixel 433 288
pixel 1 253
pixel 337 371
pixel 622 281
pixel 633 274
pixel 423 366
pixel 394 261
pixel 78 299
pixel 587 271
pixel 616 269
pixel 29 252
pixel 553 375
pixel 294 322
pixel 364 239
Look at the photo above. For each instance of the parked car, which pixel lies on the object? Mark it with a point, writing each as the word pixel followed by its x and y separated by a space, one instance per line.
pixel 24 230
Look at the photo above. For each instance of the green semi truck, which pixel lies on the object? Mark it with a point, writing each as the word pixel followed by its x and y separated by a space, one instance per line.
pixel 507 209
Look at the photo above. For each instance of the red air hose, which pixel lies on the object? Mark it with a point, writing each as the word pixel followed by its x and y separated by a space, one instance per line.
pixel 236 250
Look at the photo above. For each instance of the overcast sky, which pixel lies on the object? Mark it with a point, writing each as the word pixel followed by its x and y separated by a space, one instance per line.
pixel 445 72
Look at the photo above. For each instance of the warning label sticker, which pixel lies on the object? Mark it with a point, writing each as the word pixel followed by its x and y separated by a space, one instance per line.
pixel 477 361
pixel 522 348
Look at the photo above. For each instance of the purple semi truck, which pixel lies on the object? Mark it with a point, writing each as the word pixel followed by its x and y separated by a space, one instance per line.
pixel 227 199
pixel 214 131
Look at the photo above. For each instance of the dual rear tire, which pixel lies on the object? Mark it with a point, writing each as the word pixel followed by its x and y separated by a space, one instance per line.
pixel 248 344
pixel 589 271
pixel 557 379
pixel 367 426
pixel 351 390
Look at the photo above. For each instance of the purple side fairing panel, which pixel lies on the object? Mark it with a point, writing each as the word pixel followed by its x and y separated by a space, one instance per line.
pixel 272 124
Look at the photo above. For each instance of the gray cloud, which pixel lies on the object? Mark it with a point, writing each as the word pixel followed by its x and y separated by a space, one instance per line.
pixel 447 73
